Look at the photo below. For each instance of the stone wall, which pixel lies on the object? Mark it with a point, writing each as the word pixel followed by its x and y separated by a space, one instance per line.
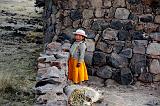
pixel 123 35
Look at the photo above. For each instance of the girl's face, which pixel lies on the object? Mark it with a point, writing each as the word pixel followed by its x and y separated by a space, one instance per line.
pixel 79 37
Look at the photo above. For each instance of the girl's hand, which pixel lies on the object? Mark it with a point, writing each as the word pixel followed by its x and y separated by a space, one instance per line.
pixel 78 64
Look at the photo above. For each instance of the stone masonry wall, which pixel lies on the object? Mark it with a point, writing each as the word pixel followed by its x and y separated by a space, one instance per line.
pixel 123 35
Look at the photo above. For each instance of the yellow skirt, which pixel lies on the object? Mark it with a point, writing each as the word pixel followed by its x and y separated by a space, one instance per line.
pixel 76 74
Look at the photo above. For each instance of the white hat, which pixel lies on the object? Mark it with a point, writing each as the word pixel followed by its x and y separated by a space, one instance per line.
pixel 80 32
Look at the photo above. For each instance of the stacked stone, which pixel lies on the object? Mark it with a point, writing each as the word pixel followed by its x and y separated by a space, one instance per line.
pixel 123 35
pixel 51 76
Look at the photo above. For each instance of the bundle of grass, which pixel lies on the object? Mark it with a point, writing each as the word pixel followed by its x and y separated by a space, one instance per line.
pixel 6 81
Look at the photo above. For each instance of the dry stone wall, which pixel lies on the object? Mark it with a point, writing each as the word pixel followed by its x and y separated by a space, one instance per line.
pixel 123 35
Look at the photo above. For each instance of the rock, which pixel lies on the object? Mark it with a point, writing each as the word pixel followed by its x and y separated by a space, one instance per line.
pixel 118 46
pixel 150 27
pixel 41 72
pixel 57 103
pixel 123 35
pixel 90 45
pixel 43 65
pixel 139 46
pixel 146 77
pixel 88 58
pixel 94 80
pixel 76 23
pixel 104 72
pixel 126 76
pixel 107 3
pixel 156 78
pixel 104 47
pixel 155 66
pixel 155 36
pixel 109 34
pixel 119 3
pixel 91 70
pixel 116 24
pixel 73 4
pixel 117 61
pixel 136 35
pixel 99 58
pixel 99 25
pixel 133 1
pixel 128 26
pixel 86 23
pixel 75 15
pixel 87 14
pixel 75 91
pixel 138 63
pixel 54 46
pixel 146 18
pixel 52 72
pixel 90 34
pixel 99 12
pixel 48 81
pixel 122 13
pixel 47 88
pixel 67 21
pixel 51 97
pixel 96 4
pixel 153 49
pixel 157 19
pixel 46 58
pixel 67 34
pixel 66 46
pixel 127 53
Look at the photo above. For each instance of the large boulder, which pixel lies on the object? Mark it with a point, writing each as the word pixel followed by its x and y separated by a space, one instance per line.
pixel 117 61
pixel 104 72
pixel 122 13
pixel 99 58
pixel 155 66
pixel 110 34
pixel 104 47
pixel 155 36
pixel 153 49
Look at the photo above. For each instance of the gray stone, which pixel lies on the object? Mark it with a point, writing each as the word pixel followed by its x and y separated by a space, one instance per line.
pixel 157 19
pixel 155 66
pixel 91 70
pixel 90 34
pixel 150 27
pixel 73 4
pixel 139 49
pixel 146 18
pixel 146 77
pixel 117 61
pixel 96 3
pixel 127 53
pixel 54 46
pixel 139 46
pixel 126 76
pixel 116 24
pixel 88 58
pixel 110 34
pixel 104 72
pixel 90 45
pixel 155 36
pixel 67 21
pixel 123 35
pixel 67 34
pixel 122 13
pixel 66 46
pixel 105 47
pixel 118 46
pixel 133 1
pixel 156 78
pixel 110 83
pixel 87 14
pixel 86 23
pixel 119 3
pixel 99 12
pixel 46 58
pixel 107 3
pixel 153 49
pixel 99 25
pixel 99 58
pixel 76 23
pixel 75 15
pixel 138 63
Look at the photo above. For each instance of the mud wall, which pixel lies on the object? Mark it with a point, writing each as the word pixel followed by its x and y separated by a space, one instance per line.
pixel 123 35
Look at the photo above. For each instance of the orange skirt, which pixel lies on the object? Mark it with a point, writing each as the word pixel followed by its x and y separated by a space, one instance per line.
pixel 76 74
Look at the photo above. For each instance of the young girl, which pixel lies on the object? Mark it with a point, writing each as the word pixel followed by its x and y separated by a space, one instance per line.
pixel 77 71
